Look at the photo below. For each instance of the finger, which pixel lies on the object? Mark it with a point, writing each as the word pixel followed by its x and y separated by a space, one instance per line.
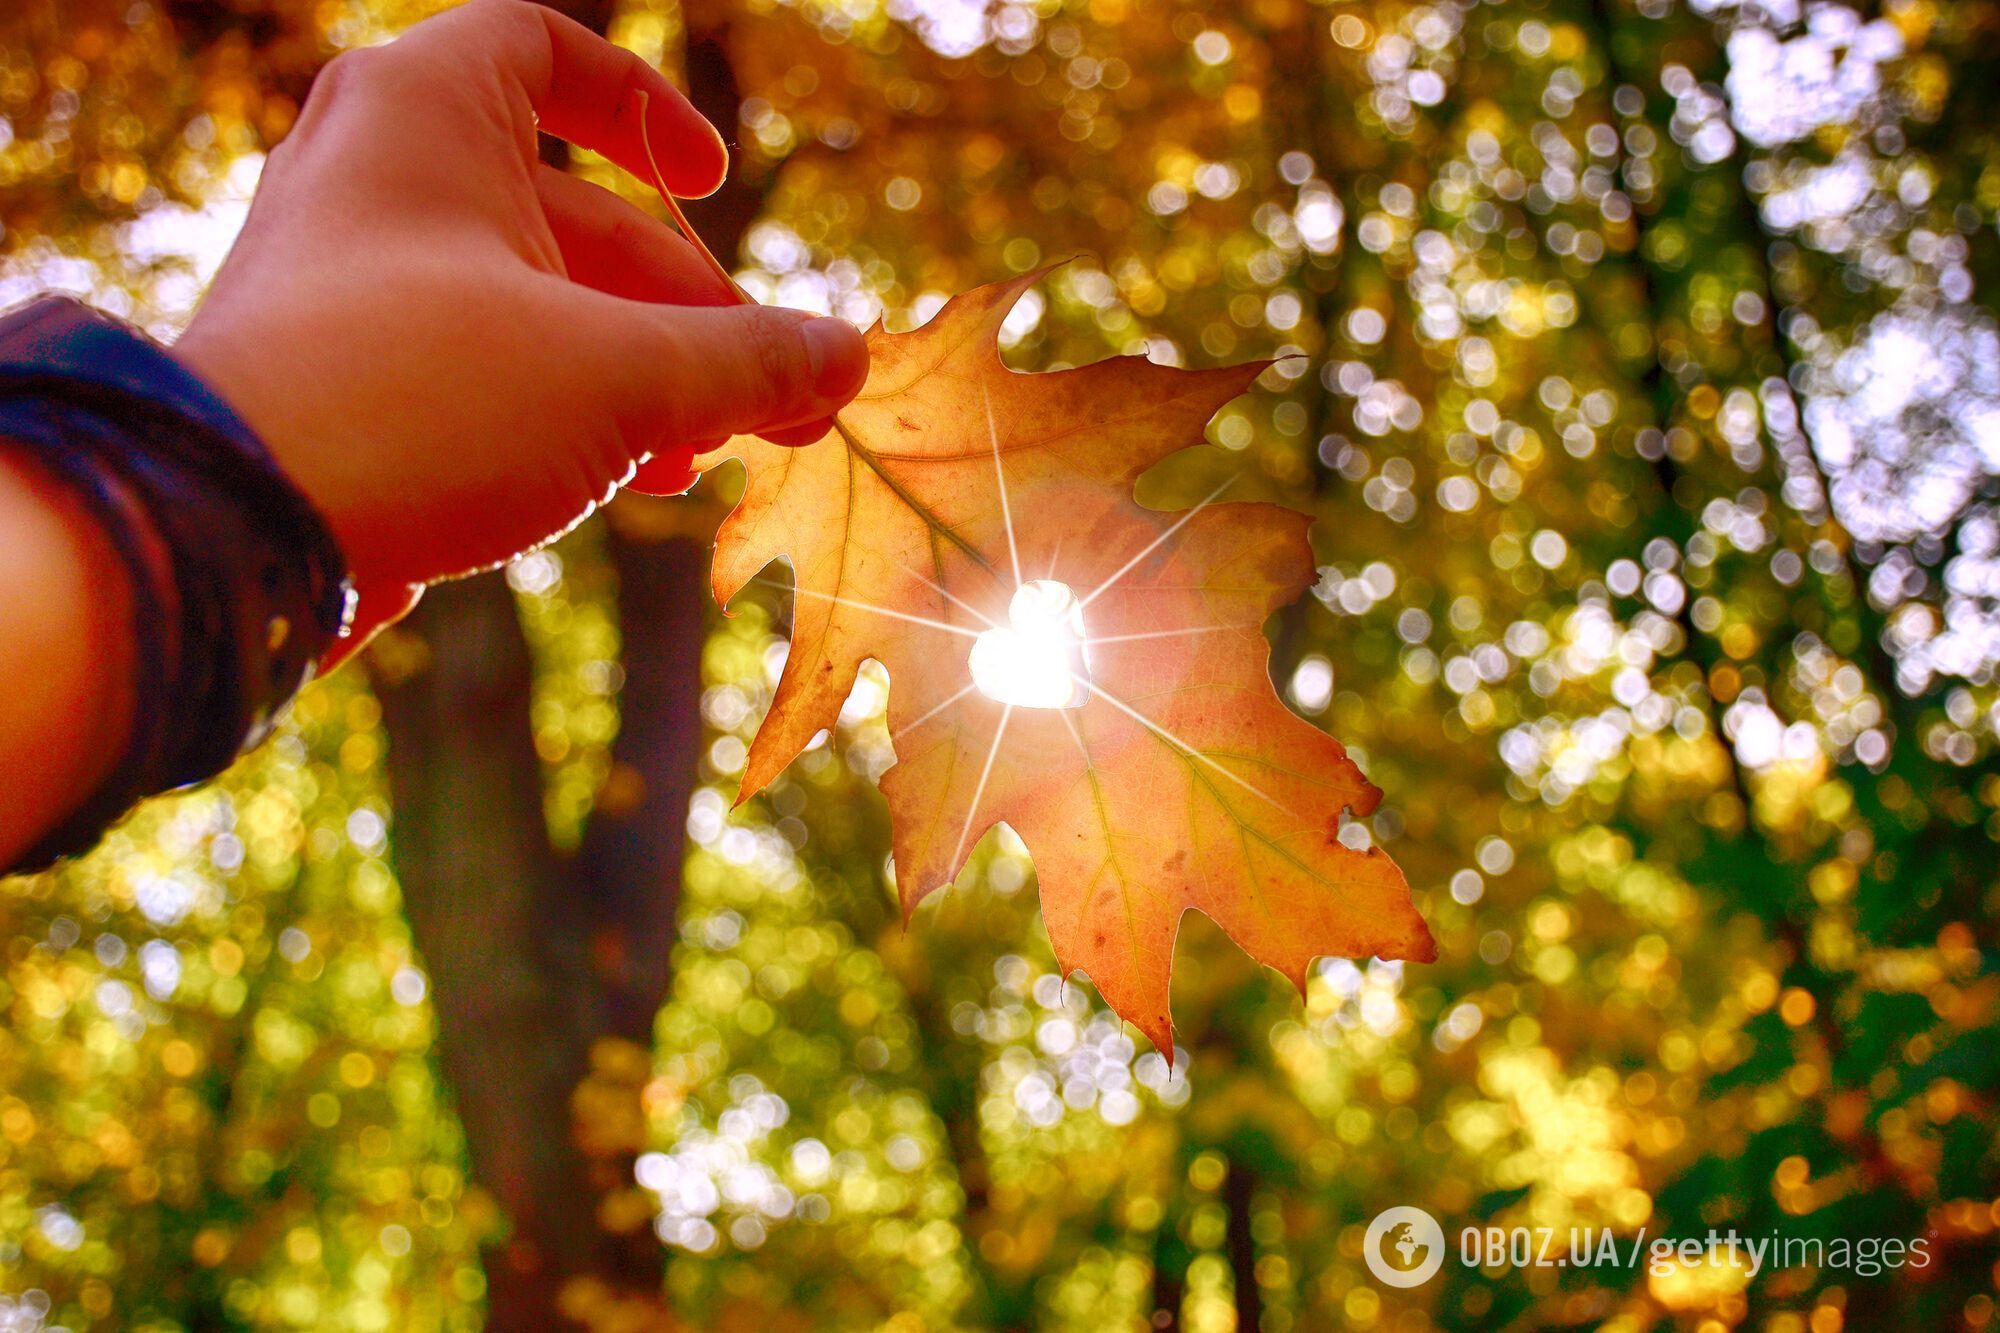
pixel 698 372
pixel 581 88
pixel 609 245
pixel 670 471
pixel 794 436
pixel 375 609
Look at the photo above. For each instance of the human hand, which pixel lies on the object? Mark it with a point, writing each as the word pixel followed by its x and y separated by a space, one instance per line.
pixel 456 350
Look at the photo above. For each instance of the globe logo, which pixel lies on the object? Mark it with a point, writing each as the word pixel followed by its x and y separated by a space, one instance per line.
pixel 1404 1247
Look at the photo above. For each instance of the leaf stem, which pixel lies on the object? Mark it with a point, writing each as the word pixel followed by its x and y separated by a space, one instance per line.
pixel 659 183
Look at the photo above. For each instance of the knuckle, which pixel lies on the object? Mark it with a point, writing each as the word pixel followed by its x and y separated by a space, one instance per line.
pixel 516 14
pixel 676 422
pixel 623 233
pixel 347 72
pixel 480 13
pixel 348 91
pixel 668 416
pixel 512 26
pixel 777 358
pixel 369 79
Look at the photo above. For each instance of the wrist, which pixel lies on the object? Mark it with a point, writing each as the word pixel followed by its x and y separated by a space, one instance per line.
pixel 236 583
pixel 224 359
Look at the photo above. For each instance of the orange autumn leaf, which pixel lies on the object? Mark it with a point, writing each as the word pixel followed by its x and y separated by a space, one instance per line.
pixel 1178 779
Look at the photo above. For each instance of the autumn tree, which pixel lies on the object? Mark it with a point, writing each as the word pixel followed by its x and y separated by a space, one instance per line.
pixel 1636 363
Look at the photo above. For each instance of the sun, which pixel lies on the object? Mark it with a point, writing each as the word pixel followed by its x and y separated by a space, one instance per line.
pixel 1039 659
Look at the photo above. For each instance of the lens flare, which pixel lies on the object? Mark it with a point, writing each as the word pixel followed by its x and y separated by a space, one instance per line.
pixel 1037 659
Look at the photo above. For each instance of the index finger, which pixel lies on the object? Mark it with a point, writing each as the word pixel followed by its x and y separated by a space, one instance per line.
pixel 581 88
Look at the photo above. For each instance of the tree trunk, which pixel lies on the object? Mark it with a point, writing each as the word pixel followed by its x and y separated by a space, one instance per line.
pixel 627 873
pixel 1170 1261
pixel 1239 1194
pixel 534 957
pixel 478 878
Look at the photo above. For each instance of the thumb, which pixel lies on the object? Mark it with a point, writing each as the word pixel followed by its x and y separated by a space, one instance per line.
pixel 375 609
pixel 709 372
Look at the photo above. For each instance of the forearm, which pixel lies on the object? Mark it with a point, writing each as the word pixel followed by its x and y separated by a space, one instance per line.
pixel 66 653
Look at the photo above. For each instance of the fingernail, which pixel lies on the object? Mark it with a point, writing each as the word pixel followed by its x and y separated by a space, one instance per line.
pixel 722 151
pixel 833 353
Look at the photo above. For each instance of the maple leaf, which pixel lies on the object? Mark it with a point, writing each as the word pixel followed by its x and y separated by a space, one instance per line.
pixel 1180 780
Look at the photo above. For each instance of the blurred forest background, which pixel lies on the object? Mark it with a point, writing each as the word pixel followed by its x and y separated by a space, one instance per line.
pixel 1650 402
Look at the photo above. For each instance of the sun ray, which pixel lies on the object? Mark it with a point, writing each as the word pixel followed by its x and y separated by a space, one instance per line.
pixel 949 596
pixel 1182 745
pixel 1069 724
pixel 1161 633
pixel 1000 475
pixel 979 792
pixel 1154 544
pixel 912 725
pixel 869 606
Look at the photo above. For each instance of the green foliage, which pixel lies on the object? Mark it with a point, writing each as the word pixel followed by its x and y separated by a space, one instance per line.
pixel 1639 395
pixel 219 1107
pixel 1713 888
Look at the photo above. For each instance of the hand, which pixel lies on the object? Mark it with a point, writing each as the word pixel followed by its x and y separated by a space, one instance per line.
pixel 455 350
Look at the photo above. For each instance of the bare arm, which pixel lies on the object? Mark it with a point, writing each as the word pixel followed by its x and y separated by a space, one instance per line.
pixel 65 652
pixel 451 350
